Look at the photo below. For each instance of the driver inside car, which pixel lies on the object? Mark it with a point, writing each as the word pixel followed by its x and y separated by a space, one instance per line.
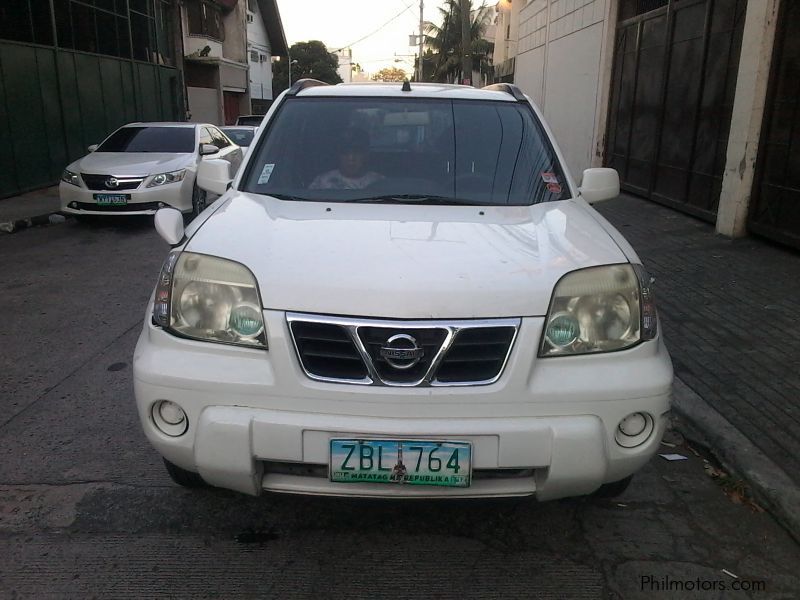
pixel 352 173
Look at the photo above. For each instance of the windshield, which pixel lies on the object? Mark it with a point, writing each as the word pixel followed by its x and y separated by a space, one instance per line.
pixel 428 150
pixel 150 139
pixel 240 137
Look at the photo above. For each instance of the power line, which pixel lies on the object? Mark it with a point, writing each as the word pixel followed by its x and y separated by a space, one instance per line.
pixel 398 15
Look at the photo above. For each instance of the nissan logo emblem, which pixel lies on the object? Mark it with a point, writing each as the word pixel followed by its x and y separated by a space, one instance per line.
pixel 112 182
pixel 401 351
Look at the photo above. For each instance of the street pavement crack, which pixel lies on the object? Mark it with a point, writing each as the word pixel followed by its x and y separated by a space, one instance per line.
pixel 70 374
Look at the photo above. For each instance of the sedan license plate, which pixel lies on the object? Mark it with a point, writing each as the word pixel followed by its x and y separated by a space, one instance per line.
pixel 111 199
pixel 413 462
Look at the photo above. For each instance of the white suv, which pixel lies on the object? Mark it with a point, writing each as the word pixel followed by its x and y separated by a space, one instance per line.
pixel 402 293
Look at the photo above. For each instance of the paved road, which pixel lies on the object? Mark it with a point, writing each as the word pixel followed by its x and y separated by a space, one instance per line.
pixel 86 509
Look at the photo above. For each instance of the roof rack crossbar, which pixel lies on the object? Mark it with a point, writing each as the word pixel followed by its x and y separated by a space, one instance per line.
pixel 301 84
pixel 508 88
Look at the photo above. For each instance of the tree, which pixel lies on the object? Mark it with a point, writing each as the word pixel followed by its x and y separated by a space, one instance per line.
pixel 390 74
pixel 445 41
pixel 312 60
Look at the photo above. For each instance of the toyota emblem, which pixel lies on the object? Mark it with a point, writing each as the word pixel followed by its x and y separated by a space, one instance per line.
pixel 112 182
pixel 401 351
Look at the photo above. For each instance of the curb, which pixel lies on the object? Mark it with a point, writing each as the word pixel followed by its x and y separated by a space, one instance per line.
pixel 769 483
pixel 35 221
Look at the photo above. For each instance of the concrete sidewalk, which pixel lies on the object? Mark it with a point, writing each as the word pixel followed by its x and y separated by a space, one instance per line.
pixel 39 207
pixel 730 312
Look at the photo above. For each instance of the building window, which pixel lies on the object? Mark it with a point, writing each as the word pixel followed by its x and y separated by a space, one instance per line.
pixel 26 21
pixel 205 19
pixel 253 56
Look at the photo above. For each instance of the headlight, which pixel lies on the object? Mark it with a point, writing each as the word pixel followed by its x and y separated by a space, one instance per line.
pixel 209 298
pixel 600 309
pixel 70 177
pixel 164 178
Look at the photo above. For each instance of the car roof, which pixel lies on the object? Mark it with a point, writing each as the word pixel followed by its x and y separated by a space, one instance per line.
pixel 418 90
pixel 164 124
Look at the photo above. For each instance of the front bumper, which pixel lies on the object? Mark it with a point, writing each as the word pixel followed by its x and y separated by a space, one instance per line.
pixel 143 200
pixel 256 422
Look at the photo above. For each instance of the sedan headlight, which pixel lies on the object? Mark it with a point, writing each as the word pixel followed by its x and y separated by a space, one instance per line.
pixel 69 177
pixel 208 298
pixel 165 178
pixel 600 309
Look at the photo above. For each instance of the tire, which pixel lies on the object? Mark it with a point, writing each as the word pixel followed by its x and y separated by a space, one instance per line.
pixel 182 477
pixel 614 489
pixel 199 198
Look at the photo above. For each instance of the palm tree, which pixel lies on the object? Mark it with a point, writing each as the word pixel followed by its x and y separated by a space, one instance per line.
pixel 445 41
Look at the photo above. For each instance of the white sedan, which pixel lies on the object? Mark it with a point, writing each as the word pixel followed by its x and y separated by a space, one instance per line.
pixel 402 293
pixel 142 167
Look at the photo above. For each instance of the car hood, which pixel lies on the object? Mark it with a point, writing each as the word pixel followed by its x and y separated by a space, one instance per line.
pixel 131 163
pixel 406 261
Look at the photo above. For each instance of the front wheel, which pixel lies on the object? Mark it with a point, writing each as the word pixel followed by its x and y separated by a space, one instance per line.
pixel 183 477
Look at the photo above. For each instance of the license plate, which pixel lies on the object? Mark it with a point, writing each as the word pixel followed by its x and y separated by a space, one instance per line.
pixel 410 462
pixel 111 199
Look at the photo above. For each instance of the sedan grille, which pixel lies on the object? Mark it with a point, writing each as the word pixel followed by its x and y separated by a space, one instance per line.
pixel 402 353
pixel 101 182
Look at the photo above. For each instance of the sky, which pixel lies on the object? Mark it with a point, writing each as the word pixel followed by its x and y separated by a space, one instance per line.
pixel 340 23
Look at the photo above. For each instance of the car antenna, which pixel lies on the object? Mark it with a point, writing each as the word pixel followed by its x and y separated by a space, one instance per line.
pixel 406 86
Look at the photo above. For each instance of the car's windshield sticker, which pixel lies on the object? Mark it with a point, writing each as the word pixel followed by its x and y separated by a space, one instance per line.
pixel 554 187
pixel 266 173
pixel 548 177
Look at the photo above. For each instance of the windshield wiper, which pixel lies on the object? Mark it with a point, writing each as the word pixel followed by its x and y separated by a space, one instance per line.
pixel 290 197
pixel 414 199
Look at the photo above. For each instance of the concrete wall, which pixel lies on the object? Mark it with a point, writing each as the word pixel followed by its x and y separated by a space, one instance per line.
pixel 204 104
pixel 564 64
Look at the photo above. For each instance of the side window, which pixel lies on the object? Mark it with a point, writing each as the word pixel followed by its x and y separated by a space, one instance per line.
pixel 205 136
pixel 220 141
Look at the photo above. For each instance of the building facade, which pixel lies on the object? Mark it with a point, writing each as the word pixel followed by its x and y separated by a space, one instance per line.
pixel 220 40
pixel 694 102
pixel 72 71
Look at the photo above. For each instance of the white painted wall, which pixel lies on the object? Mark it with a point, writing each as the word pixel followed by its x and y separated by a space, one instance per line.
pixel 258 47
pixel 563 64
pixel 204 105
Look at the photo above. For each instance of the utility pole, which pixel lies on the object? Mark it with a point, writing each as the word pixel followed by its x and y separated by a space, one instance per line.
pixel 421 43
pixel 466 55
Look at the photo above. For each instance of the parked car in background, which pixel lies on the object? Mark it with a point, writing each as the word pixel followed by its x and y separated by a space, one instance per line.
pixel 142 167
pixel 254 120
pixel 241 136
pixel 403 293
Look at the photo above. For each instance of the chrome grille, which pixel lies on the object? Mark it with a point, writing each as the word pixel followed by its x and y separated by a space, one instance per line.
pixel 98 182
pixel 402 353
pixel 327 351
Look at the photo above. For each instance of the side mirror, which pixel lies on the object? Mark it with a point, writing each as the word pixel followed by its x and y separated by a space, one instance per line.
pixel 214 175
pixel 207 149
pixel 93 147
pixel 599 184
pixel 169 225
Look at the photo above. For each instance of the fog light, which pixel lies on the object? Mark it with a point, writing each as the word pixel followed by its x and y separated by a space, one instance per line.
pixel 634 430
pixel 73 205
pixel 169 418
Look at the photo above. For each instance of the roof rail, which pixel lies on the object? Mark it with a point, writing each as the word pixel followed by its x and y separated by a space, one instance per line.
pixel 508 88
pixel 301 84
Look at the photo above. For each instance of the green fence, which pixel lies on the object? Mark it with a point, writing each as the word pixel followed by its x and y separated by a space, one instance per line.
pixel 54 103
